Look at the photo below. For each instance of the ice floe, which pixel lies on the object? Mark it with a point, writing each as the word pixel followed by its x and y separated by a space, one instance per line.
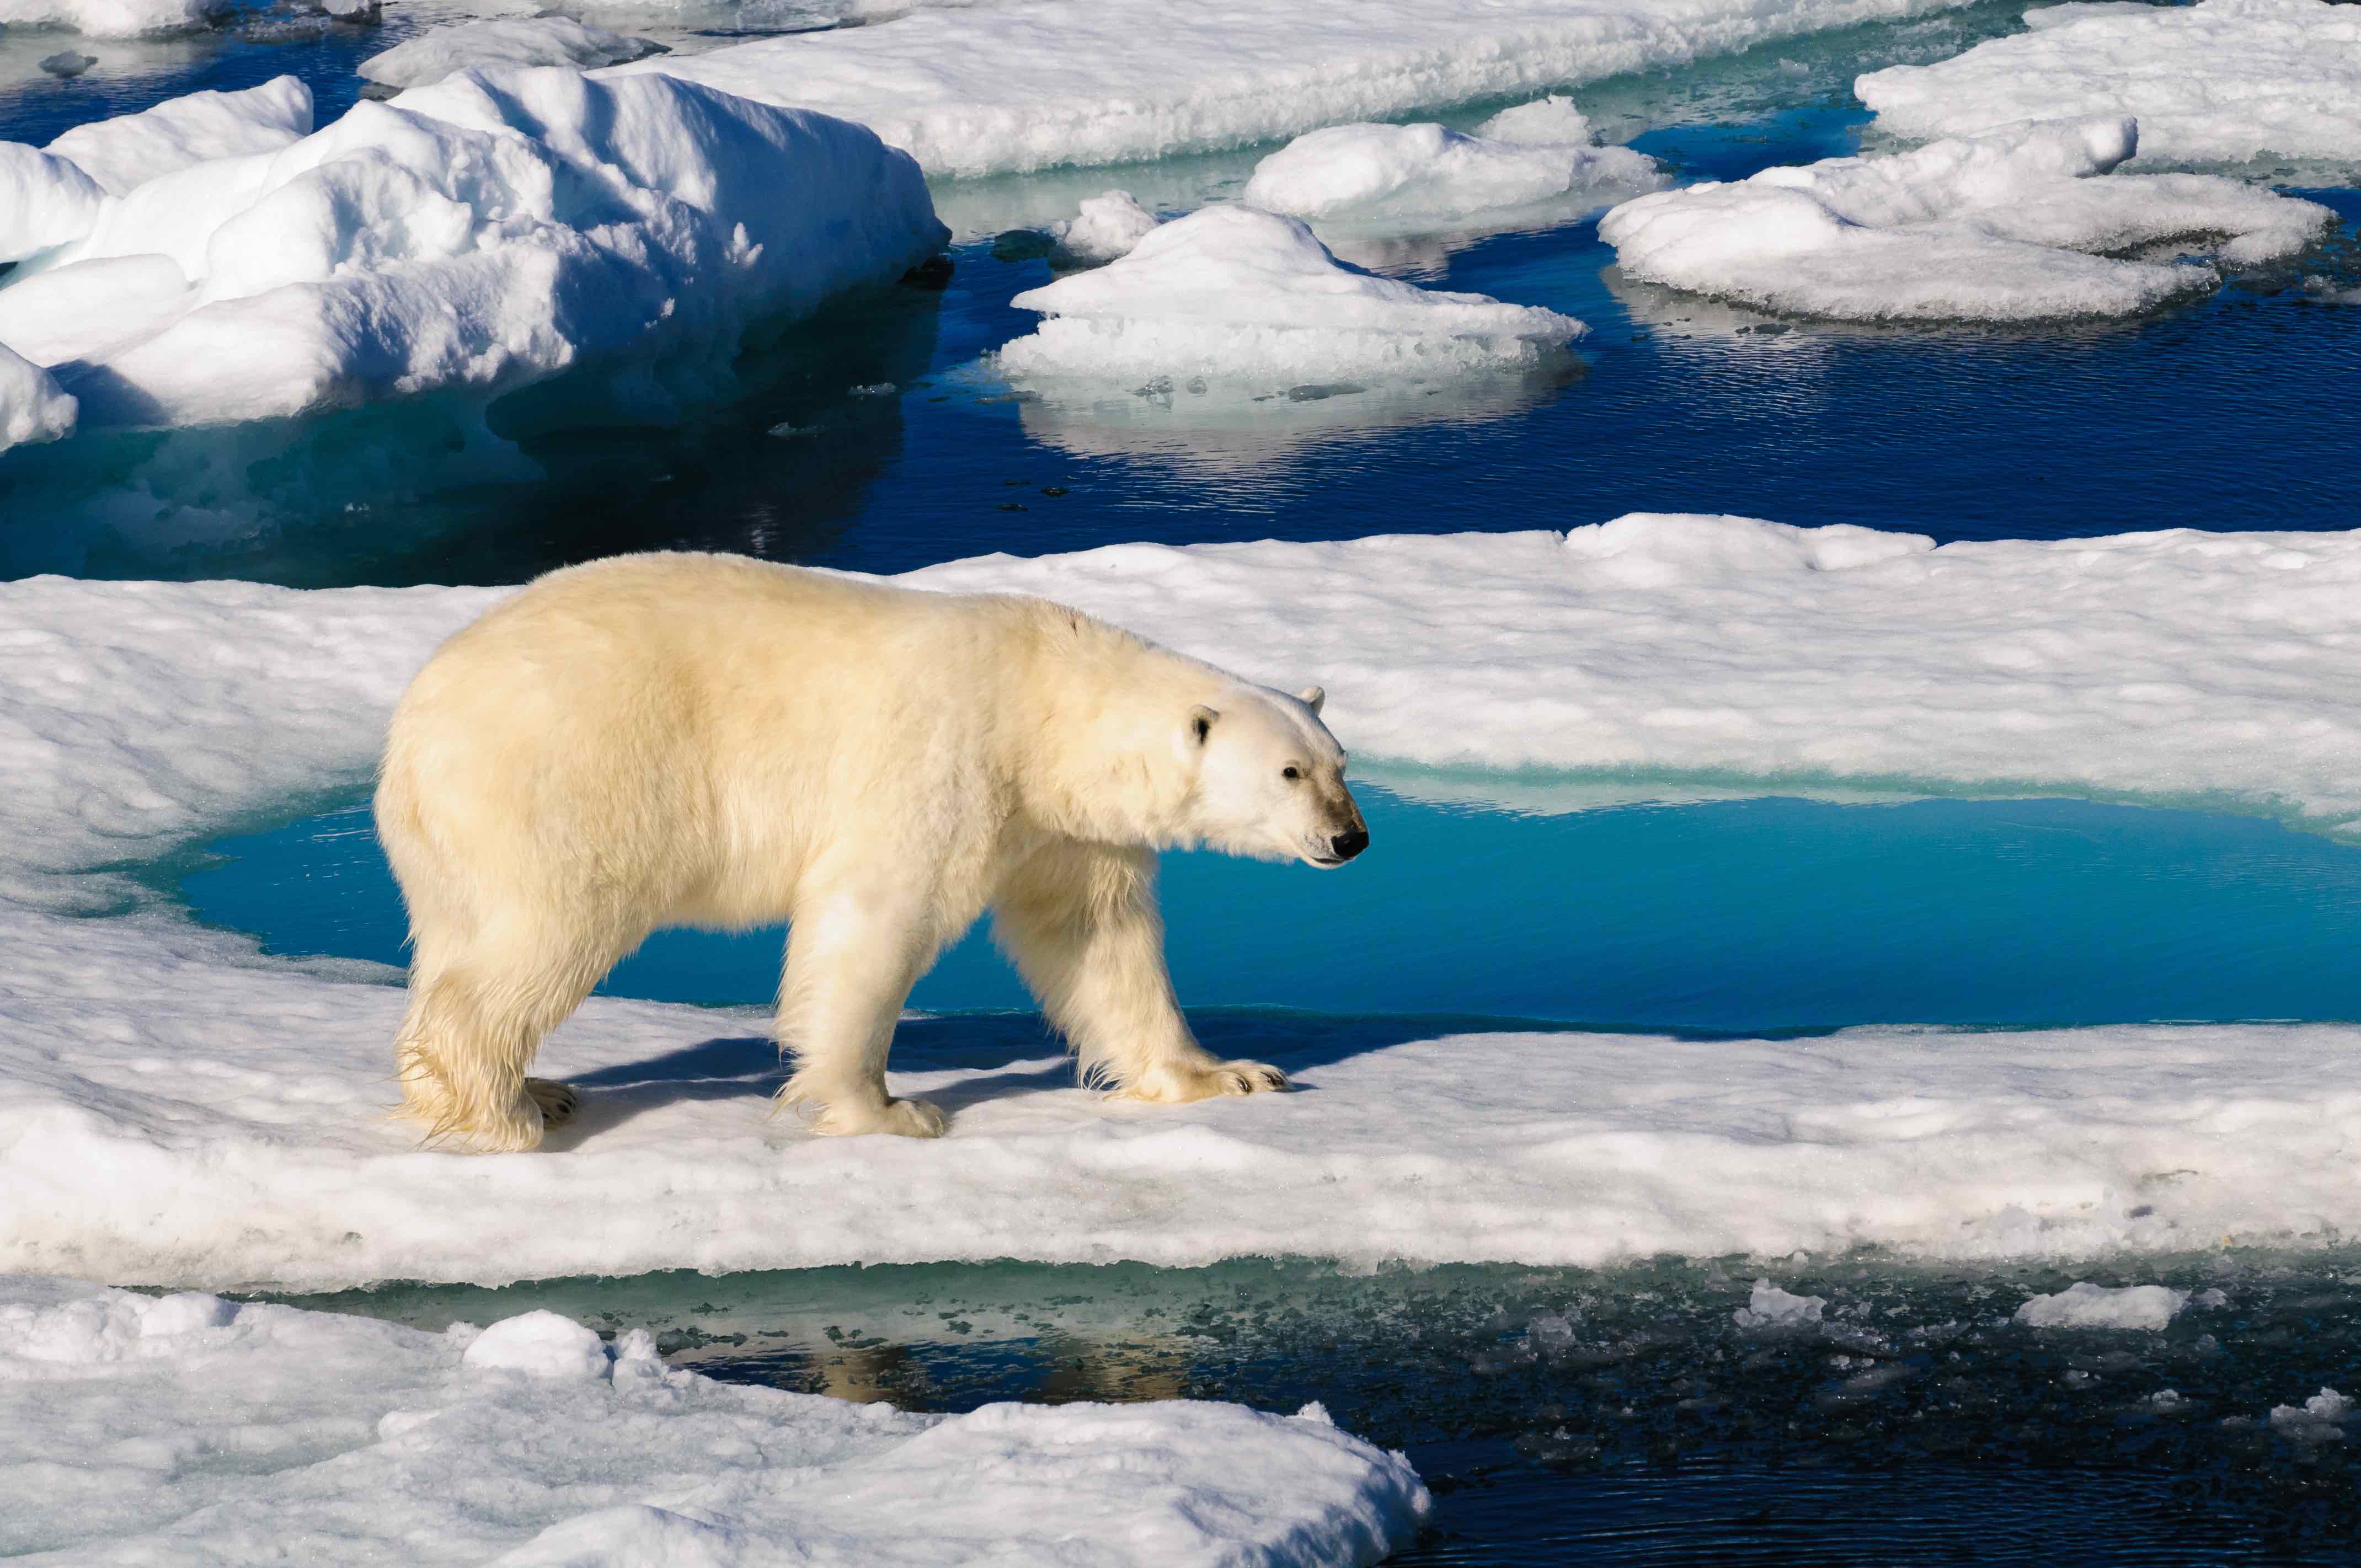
pixel 1232 294
pixel 1106 227
pixel 1027 84
pixel 502 40
pixel 478 234
pixel 2003 226
pixel 128 150
pixel 1388 174
pixel 191 1428
pixel 2220 81
pixel 112 18
pixel 2088 1306
pixel 2319 1418
pixel 179 1111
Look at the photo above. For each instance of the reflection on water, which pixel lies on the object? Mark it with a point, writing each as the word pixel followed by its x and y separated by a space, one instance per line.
pixel 1719 915
pixel 1624 1416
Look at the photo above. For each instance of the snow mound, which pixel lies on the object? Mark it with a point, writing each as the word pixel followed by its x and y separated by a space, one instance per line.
pixel 2089 1306
pixel 2221 81
pixel 112 18
pixel 1230 293
pixel 1030 85
pixel 1996 228
pixel 1769 1307
pixel 31 407
pixel 228 1432
pixel 129 150
pixel 480 233
pixel 502 40
pixel 1523 157
pixel 1107 226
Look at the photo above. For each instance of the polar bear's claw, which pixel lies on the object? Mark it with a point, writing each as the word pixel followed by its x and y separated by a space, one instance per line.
pixel 558 1102
pixel 1179 1085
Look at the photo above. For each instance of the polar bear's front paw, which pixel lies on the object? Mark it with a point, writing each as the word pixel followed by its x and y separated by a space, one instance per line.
pixel 902 1118
pixel 1183 1082
pixel 558 1102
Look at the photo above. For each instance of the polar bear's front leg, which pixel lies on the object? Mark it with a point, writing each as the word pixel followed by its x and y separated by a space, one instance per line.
pixel 1080 920
pixel 850 964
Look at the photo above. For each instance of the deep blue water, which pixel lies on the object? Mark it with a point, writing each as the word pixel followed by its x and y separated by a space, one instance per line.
pixel 1729 915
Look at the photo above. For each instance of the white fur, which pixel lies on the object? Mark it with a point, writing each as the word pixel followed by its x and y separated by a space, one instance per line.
pixel 703 739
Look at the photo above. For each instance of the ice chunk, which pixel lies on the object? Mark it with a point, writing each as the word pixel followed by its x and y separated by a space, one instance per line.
pixel 129 150
pixel 68 63
pixel 1551 121
pixel 2319 1418
pixel 1030 85
pixel 1231 294
pixel 1106 227
pixel 2089 1306
pixel 32 406
pixel 481 233
pixel 1377 172
pixel 1769 1307
pixel 540 1344
pixel 2041 17
pixel 1996 228
pixel 2221 81
pixel 44 201
pixel 112 18
pixel 502 40
pixel 228 1432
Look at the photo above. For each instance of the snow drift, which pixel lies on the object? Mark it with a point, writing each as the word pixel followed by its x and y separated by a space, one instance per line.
pixel 191 1428
pixel 1998 227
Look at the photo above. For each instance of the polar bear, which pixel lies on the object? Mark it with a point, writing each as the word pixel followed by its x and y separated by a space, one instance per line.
pixel 679 739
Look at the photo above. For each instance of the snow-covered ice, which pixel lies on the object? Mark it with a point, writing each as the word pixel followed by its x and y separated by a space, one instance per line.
pixel 2088 1306
pixel 2220 81
pixel 179 1111
pixel 1234 294
pixel 2003 226
pixel 192 1430
pixel 502 40
pixel 125 151
pixel 1417 174
pixel 489 230
pixel 112 18
pixel 2039 17
pixel 1106 228
pixel 1027 84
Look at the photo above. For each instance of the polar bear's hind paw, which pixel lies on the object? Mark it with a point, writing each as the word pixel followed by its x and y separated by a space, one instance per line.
pixel 558 1102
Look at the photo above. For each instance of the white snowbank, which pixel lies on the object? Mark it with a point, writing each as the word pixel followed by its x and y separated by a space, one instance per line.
pixel 1993 227
pixel 176 1112
pixel 502 40
pixel 1234 294
pixel 1769 1307
pixel 478 234
pixel 31 406
pixel 1027 84
pixel 2089 1306
pixel 1107 226
pixel 128 150
pixel 1365 174
pixel 2221 81
pixel 190 1429
pixel 112 18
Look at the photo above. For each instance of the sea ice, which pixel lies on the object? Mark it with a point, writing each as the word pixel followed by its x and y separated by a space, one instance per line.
pixel 2040 16
pixel 489 230
pixel 1995 227
pixel 2220 81
pixel 2089 1306
pixel 1390 174
pixel 1230 293
pixel 1028 85
pixel 1106 227
pixel 191 1429
pixel 112 18
pixel 502 40
pixel 128 150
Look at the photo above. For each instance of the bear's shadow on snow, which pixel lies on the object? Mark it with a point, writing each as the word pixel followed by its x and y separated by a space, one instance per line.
pixel 744 1066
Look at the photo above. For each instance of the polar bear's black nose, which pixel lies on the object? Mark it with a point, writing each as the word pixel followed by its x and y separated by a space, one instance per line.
pixel 1351 843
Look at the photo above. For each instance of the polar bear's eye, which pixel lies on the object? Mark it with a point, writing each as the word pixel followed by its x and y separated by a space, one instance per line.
pixel 1290 773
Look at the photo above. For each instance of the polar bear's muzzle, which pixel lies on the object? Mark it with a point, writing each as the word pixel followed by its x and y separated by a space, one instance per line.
pixel 1342 843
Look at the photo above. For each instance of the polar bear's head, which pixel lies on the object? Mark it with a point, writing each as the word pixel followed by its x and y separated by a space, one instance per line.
pixel 1269 779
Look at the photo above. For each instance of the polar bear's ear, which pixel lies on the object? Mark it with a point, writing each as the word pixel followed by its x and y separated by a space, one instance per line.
pixel 1201 722
pixel 1313 697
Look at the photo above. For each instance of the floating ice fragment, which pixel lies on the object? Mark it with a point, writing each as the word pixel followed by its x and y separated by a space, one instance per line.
pixel 502 40
pixel 1769 1307
pixel 1387 173
pixel 2089 1306
pixel 2319 1418
pixel 1107 226
pixel 2221 81
pixel 1232 294
pixel 1996 228
pixel 68 63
